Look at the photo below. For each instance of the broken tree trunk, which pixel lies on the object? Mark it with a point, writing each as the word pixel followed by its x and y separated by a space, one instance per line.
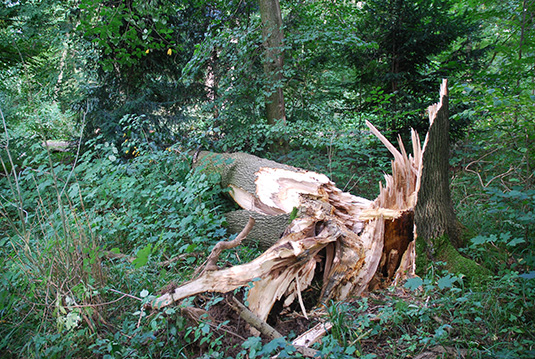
pixel 439 230
pixel 344 242
pixel 434 212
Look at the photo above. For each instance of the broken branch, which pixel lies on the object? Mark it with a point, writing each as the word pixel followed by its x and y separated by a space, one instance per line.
pixel 211 262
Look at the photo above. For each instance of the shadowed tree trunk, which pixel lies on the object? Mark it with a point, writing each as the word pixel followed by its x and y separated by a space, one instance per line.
pixel 434 212
pixel 272 34
pixel 439 231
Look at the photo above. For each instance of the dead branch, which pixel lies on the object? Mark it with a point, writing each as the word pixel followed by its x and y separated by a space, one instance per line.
pixel 211 262
pixel 267 330
pixel 312 335
pixel 261 326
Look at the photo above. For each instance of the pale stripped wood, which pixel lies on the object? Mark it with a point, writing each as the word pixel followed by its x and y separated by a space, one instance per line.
pixel 343 232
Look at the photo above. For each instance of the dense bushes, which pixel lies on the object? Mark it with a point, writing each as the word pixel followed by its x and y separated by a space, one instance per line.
pixel 65 217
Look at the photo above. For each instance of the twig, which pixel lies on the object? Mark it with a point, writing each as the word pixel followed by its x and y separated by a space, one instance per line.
pixel 500 175
pixel 217 327
pixel 298 284
pixel 492 179
pixel 467 167
pixel 95 305
pixel 480 158
pixel 125 294
pixel 14 172
pixel 141 312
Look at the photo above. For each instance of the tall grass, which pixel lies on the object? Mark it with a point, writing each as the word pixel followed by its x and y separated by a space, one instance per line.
pixel 52 264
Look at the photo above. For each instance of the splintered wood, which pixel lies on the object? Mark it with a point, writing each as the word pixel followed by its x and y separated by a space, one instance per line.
pixel 345 243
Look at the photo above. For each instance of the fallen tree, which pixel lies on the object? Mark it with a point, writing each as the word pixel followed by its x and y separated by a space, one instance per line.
pixel 319 238
pixel 345 242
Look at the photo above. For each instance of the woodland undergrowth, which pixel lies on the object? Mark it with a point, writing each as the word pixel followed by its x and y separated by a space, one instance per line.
pixel 93 233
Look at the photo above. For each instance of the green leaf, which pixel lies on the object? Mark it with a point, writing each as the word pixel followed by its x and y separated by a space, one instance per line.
pixel 142 256
pixel 252 343
pixel 483 239
pixel 446 282
pixel 413 283
pixel 442 331
pixel 515 241
pixel 272 346
pixel 293 214
pixel 529 275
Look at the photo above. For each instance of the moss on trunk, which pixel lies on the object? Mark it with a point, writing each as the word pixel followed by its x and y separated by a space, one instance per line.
pixel 453 261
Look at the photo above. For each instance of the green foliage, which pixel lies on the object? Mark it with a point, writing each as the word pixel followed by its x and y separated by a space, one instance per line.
pixel 34 66
pixel 406 35
pixel 440 311
pixel 85 233
pixel 229 61
pixel 60 219
pixel 131 200
pixel 137 50
pixel 27 28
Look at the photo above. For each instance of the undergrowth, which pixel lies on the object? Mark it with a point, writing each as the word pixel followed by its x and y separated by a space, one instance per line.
pixel 92 234
pixel 88 236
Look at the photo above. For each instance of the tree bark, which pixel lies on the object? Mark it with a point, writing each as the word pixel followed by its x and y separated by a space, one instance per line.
pixel 439 231
pixel 267 230
pixel 435 216
pixel 273 36
pixel 335 238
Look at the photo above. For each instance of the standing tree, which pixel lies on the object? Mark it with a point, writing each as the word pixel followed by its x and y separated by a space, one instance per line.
pixel 272 35
pixel 138 47
pixel 439 231
pixel 405 35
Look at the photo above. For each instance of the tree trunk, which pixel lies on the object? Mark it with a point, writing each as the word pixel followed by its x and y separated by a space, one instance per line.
pixel 342 243
pixel 434 212
pixel 272 34
pixel 439 231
